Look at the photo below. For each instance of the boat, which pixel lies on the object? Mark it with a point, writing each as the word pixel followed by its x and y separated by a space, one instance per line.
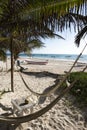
pixel 37 62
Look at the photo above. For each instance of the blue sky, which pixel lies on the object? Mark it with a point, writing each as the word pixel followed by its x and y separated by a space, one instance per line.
pixel 60 46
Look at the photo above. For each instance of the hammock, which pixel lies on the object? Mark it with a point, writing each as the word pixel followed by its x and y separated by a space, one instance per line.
pixel 56 85
pixel 22 119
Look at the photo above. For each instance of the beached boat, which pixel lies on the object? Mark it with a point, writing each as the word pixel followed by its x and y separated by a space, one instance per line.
pixel 37 62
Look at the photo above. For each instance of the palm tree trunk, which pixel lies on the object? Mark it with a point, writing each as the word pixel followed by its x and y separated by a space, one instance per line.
pixel 12 65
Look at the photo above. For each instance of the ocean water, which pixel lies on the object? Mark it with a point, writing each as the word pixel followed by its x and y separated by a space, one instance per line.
pixel 83 58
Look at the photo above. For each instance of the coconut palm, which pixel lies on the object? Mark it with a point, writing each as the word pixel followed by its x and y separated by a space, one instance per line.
pixel 23 30
pixel 20 46
pixel 10 25
pixel 10 21
pixel 23 19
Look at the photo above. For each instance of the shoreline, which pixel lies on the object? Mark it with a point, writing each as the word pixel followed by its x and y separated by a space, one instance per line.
pixel 52 59
pixel 55 65
pixel 65 57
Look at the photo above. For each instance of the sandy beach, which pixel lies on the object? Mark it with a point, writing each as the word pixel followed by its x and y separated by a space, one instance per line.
pixel 65 115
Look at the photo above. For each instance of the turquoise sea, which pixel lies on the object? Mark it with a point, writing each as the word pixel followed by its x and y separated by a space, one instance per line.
pixel 83 58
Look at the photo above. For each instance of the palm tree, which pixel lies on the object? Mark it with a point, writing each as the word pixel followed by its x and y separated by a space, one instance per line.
pixel 20 46
pixel 23 19
pixel 10 23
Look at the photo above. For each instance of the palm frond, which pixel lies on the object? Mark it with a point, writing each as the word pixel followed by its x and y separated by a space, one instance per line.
pixel 80 35
pixel 4 42
pixel 41 11
pixel 79 18
pixel 35 43
pixel 2 55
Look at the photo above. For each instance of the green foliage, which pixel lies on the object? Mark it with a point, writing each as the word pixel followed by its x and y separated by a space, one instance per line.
pixel 2 55
pixel 80 88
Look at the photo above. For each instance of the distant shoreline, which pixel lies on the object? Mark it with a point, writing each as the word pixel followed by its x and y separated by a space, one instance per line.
pixel 63 57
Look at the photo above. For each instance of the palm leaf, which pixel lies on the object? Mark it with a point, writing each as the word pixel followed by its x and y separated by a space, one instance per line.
pixel 24 10
pixel 80 35
pixel 35 43
pixel 2 55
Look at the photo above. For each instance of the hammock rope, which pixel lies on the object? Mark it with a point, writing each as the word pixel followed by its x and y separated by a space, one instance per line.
pixel 33 116
pixel 56 85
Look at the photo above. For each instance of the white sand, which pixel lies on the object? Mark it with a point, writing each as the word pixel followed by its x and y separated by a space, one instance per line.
pixel 64 115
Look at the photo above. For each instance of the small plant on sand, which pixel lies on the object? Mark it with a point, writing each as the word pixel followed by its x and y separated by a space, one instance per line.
pixel 79 90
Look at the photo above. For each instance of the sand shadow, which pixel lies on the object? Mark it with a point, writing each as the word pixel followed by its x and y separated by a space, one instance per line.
pixel 8 110
pixel 79 64
pixel 81 107
pixel 41 74
pixel 57 78
pixel 41 99
pixel 71 100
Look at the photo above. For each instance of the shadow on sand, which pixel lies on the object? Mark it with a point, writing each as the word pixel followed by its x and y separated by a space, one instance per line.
pixel 41 74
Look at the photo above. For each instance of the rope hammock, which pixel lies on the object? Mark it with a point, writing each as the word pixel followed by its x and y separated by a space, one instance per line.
pixel 22 119
pixel 56 85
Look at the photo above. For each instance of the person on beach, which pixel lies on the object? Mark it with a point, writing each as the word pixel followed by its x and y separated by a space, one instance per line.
pixel 18 63
pixel 21 68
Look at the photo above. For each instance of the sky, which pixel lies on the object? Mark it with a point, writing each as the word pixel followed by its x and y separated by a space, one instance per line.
pixel 60 46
